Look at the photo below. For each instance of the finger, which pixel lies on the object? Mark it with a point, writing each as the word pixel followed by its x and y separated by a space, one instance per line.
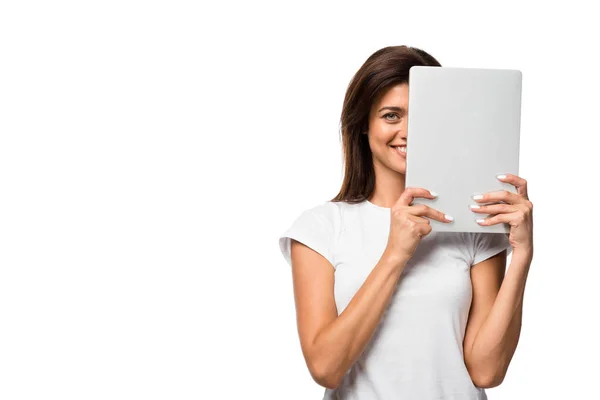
pixel 517 181
pixel 496 219
pixel 426 211
pixel 423 230
pixel 411 193
pixel 418 220
pixel 500 195
pixel 493 208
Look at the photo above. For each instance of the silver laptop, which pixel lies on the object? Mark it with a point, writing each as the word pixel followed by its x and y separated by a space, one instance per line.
pixel 463 130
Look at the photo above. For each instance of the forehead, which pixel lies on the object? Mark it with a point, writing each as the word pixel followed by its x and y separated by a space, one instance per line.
pixel 396 95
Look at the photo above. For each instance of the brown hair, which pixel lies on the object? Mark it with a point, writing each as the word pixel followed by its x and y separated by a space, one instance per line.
pixel 386 67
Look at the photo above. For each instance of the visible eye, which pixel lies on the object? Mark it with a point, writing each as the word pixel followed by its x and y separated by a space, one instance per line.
pixel 393 114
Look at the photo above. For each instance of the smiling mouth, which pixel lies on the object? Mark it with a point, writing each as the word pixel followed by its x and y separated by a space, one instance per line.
pixel 401 150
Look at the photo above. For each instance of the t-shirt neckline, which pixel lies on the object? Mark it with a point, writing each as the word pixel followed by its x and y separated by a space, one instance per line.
pixel 375 206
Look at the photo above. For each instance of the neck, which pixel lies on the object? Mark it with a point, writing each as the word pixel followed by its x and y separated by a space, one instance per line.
pixel 389 185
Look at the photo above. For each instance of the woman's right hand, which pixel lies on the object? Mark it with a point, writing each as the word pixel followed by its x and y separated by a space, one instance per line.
pixel 408 224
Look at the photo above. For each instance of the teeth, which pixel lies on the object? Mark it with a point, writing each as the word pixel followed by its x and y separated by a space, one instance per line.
pixel 402 149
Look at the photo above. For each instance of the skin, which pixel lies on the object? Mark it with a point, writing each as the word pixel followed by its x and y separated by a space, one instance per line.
pixel 494 323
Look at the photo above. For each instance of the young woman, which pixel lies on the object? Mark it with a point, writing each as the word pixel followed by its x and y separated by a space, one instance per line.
pixel 386 309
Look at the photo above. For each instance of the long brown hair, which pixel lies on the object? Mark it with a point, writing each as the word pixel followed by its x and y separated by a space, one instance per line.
pixel 386 67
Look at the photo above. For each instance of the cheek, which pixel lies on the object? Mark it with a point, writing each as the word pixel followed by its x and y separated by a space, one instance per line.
pixel 383 143
pixel 384 127
pixel 381 148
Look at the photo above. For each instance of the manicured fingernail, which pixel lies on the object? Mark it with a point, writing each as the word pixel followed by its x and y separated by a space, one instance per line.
pixel 450 217
pixel 434 194
pixel 479 220
pixel 478 197
pixel 474 206
pixel 501 176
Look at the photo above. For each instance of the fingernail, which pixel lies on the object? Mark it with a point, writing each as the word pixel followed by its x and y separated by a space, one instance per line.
pixel 474 206
pixel 501 176
pixel 479 220
pixel 478 197
pixel 450 217
pixel 434 194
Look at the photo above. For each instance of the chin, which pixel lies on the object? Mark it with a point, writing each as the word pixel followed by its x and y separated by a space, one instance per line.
pixel 401 170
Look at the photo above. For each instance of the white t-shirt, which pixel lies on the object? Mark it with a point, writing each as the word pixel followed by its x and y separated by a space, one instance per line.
pixel 416 351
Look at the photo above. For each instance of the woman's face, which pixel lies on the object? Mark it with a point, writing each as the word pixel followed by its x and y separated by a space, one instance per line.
pixel 387 128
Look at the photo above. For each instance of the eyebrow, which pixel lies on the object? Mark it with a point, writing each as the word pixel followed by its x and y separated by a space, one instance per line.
pixel 401 110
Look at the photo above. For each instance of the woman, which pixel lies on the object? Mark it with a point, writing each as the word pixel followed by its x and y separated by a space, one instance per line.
pixel 385 309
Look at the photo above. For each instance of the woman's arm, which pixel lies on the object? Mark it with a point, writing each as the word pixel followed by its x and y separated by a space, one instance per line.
pixel 494 324
pixel 332 343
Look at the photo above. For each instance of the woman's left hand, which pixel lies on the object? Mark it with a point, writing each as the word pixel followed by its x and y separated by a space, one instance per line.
pixel 518 212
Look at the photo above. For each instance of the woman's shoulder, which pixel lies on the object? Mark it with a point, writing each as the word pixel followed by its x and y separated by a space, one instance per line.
pixel 326 210
pixel 332 211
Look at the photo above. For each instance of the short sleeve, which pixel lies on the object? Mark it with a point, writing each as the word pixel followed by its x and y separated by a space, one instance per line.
pixel 312 230
pixel 485 245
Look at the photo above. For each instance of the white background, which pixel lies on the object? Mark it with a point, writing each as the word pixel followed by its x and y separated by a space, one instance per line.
pixel 151 153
